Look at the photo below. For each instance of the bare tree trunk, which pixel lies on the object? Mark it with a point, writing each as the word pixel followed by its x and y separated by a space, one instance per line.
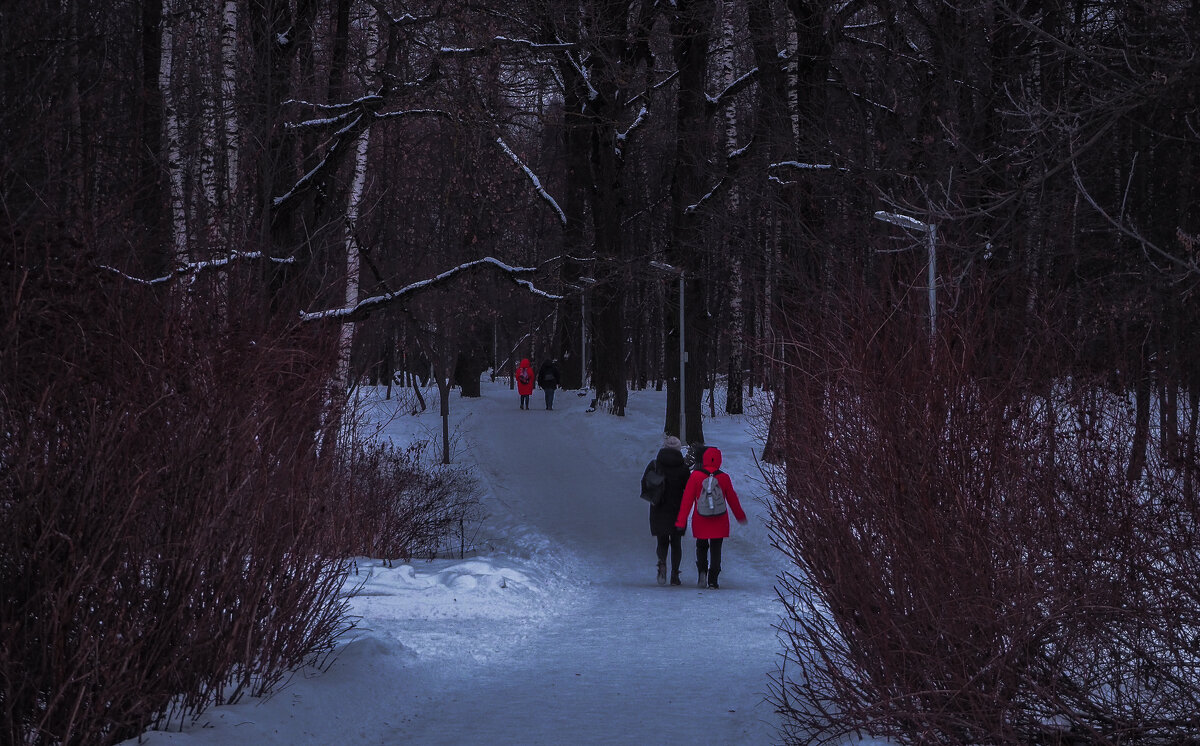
pixel 577 144
pixel 737 321
pixel 690 37
pixel 777 125
pixel 171 93
pixel 1141 432
pixel 229 90
pixel 1191 463
pixel 443 384
pixel 358 185
pixel 207 199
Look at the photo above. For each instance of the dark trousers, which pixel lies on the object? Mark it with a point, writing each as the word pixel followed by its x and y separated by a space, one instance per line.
pixel 675 542
pixel 708 554
pixel 549 397
pixel 524 401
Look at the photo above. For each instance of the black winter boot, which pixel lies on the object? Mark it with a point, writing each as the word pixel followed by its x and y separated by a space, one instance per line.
pixel 712 579
pixel 662 573
pixel 702 575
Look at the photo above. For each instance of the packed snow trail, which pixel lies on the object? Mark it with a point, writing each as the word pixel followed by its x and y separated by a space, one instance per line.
pixel 629 661
pixel 554 631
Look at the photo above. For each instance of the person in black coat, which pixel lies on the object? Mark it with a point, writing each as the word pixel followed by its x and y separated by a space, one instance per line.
pixel 548 378
pixel 662 516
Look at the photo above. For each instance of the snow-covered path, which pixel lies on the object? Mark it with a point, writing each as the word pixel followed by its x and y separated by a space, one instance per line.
pixel 628 661
pixel 555 632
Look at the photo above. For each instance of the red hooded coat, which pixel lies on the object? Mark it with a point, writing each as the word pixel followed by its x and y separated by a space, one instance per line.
pixel 709 526
pixel 524 389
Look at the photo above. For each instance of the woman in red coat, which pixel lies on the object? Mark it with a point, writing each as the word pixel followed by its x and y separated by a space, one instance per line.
pixel 524 376
pixel 709 530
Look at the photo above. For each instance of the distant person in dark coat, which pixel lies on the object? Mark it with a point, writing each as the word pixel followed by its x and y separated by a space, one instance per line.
pixel 662 516
pixel 524 376
pixel 710 530
pixel 548 378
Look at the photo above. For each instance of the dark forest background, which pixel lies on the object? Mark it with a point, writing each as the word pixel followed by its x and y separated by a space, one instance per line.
pixel 213 212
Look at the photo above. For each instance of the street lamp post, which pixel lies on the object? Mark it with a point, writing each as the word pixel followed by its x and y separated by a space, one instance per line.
pixel 930 229
pixel 669 269
pixel 583 384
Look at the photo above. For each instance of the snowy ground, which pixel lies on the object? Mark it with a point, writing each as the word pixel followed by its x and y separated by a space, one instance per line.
pixel 555 631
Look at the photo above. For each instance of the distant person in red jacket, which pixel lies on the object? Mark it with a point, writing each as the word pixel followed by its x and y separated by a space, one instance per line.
pixel 524 376
pixel 709 527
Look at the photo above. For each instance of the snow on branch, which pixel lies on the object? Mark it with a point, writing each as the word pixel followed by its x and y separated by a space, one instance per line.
pixel 537 183
pixel 324 123
pixel 367 306
pixel 803 166
pixel 584 75
pixel 536 44
pixel 344 113
pixel 414 113
pixel 305 181
pixel 696 206
pixel 799 166
pixel 345 135
pixel 623 136
pixel 645 95
pixel 192 269
pixel 408 19
pixel 341 138
pixel 732 89
pixel 345 107
pixel 737 153
pixel 731 160
pixel 498 41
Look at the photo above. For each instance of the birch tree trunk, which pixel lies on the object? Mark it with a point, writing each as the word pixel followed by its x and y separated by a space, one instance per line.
pixel 736 325
pixel 353 208
pixel 229 90
pixel 208 198
pixel 172 134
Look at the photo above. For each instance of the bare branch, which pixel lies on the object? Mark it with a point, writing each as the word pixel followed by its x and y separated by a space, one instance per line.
pixel 365 307
pixel 1130 231
pixel 192 269
pixel 731 160
pixel 342 138
pixel 643 114
pixel 537 183
pixel 719 100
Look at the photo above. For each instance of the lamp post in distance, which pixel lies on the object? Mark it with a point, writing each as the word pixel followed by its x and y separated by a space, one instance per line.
pixel 583 384
pixel 673 270
pixel 587 282
pixel 930 229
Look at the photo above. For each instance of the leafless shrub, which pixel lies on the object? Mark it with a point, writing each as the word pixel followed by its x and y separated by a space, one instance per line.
pixel 166 544
pixel 397 504
pixel 972 565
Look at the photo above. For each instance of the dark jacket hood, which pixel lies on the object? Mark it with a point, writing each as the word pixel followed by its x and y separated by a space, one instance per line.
pixel 712 459
pixel 668 457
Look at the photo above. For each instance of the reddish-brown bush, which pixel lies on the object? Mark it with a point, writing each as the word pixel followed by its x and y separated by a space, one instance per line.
pixel 164 497
pixel 972 565
pixel 396 504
